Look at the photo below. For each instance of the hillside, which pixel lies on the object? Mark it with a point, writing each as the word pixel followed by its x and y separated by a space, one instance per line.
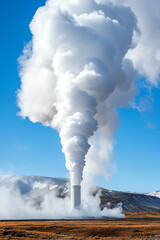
pixel 33 188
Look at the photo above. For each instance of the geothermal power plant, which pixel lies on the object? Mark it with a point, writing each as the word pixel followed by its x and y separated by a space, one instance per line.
pixel 75 196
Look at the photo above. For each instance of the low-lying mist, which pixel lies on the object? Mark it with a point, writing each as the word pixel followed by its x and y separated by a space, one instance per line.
pixel 27 198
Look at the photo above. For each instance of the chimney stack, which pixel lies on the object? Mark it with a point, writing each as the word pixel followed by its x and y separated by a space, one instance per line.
pixel 75 196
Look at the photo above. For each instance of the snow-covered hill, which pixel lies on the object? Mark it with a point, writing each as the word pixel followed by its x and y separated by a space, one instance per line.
pixel 33 189
pixel 130 201
pixel 155 194
pixel 34 184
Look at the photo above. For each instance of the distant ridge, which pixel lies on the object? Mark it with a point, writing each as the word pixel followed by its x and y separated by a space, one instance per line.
pixel 35 187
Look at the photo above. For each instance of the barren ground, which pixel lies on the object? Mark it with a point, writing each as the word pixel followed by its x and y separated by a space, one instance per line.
pixel 143 225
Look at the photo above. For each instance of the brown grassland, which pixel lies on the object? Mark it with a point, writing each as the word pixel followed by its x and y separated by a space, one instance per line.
pixel 137 225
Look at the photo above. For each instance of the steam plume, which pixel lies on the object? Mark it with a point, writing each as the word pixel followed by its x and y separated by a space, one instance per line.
pixel 74 73
pixel 146 55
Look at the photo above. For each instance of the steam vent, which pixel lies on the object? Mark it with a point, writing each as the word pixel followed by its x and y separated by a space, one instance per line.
pixel 75 196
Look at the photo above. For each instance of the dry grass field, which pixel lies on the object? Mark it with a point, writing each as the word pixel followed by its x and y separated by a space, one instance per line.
pixel 138 225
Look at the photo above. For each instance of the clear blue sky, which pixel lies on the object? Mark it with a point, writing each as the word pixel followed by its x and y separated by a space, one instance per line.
pixel 31 149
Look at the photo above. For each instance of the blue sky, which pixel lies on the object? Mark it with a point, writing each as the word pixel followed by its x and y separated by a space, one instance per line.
pixel 31 149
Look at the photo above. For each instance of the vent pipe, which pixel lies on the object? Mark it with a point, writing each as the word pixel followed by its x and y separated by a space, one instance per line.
pixel 75 196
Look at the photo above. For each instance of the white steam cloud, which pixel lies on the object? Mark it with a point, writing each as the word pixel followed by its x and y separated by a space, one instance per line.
pixel 36 198
pixel 74 71
pixel 80 66
pixel 146 54
pixel 13 205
